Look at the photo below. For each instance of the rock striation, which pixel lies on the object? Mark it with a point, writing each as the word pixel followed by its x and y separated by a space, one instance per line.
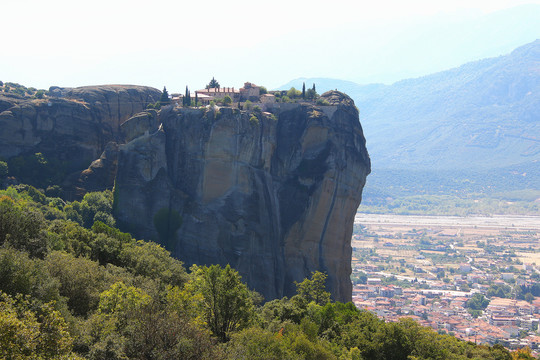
pixel 273 194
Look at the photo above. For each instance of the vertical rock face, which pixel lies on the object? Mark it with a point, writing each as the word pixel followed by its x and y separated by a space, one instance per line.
pixel 274 197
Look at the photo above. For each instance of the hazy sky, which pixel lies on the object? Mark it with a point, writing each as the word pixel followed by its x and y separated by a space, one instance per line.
pixel 172 43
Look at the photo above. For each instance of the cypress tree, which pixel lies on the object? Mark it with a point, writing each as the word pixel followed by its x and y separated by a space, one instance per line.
pixel 303 90
pixel 188 97
pixel 186 101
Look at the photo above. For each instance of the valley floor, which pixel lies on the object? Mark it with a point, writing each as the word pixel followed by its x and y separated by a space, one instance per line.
pixel 515 222
pixel 429 267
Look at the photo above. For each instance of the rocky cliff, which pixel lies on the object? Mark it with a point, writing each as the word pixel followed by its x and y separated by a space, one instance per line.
pixel 273 194
pixel 73 125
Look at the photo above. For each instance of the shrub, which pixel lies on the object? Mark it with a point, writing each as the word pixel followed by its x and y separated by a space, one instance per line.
pixel 3 169
pixel 323 102
pixel 253 120
pixel 39 94
pixel 19 91
pixel 293 93
pixel 156 105
pixel 227 100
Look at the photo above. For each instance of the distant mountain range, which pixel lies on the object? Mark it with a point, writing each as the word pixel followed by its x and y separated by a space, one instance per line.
pixel 480 116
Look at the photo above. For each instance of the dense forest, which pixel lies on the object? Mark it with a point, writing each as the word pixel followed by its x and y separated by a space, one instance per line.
pixel 72 286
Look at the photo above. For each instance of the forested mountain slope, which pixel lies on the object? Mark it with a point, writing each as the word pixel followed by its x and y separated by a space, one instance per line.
pixel 481 115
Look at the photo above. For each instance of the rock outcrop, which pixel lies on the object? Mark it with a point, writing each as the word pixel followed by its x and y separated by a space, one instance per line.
pixel 72 125
pixel 272 194
pixel 114 104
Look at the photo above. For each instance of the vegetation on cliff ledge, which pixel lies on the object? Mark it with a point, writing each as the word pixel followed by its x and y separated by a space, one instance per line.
pixel 73 287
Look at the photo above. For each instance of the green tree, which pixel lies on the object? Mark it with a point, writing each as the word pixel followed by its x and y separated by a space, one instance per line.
pixel 120 298
pixel 28 331
pixel 21 275
pixel 133 325
pixel 311 94
pixel 22 227
pixel 187 98
pixel 226 303
pixel 81 280
pixel 303 90
pixel 314 289
pixel 93 204
pixel 522 354
pixel 153 261
pixel 255 343
pixel 293 93
pixel 477 302
pixel 309 349
pixel 213 84
pixel 164 100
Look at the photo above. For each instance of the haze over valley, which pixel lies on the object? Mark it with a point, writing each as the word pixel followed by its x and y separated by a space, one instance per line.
pixel 287 180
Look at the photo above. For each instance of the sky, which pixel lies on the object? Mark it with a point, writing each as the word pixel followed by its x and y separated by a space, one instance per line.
pixel 178 44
